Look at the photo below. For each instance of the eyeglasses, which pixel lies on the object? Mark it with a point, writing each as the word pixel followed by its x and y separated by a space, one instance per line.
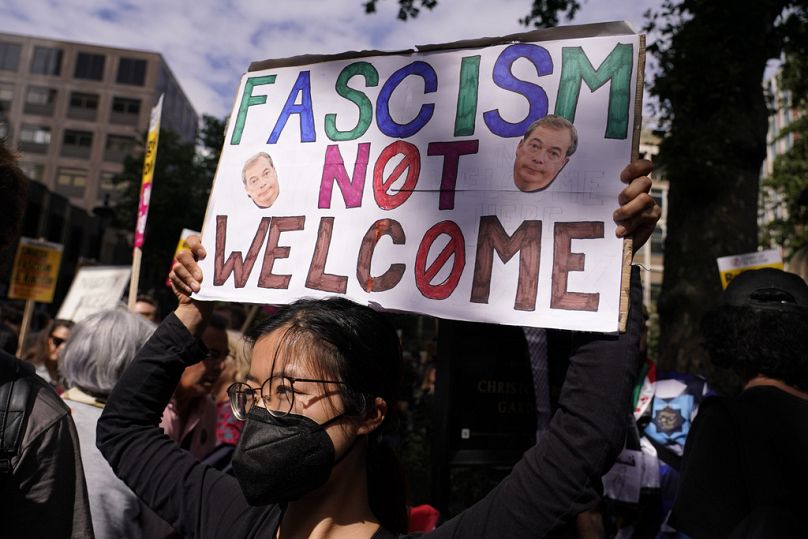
pixel 57 341
pixel 278 394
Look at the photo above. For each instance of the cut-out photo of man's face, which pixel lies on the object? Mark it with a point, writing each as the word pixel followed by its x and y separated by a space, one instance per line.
pixel 545 149
pixel 260 180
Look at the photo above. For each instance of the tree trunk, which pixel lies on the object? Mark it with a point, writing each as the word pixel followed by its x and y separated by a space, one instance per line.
pixel 712 82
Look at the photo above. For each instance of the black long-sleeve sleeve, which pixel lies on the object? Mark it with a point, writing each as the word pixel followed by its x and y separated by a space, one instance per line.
pixel 555 480
pixel 560 476
pixel 199 501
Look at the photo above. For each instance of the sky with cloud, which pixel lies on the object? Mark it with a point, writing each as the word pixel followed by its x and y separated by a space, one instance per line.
pixel 208 44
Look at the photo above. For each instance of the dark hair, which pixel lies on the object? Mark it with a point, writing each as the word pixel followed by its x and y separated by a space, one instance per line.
pixel 13 191
pixel 217 321
pixel 754 340
pixel 38 352
pixel 359 347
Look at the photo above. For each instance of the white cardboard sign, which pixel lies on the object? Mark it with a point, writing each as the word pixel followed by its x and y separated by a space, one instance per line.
pixel 403 181
pixel 94 289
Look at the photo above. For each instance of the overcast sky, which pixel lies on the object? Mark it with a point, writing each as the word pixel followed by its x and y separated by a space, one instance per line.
pixel 208 44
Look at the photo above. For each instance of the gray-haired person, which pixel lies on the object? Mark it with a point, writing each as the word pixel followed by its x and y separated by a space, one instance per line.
pixel 100 349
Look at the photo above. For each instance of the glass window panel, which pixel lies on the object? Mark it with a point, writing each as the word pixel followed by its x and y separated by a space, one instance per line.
pixel 46 61
pixel 131 71
pixel 9 56
pixel 36 134
pixel 89 66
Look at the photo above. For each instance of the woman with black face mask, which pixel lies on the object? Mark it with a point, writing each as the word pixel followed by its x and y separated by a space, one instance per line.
pixel 322 379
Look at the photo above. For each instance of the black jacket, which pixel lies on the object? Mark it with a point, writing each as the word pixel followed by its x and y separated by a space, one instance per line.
pixel 555 480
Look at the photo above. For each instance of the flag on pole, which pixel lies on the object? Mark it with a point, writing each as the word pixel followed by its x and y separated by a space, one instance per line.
pixel 148 172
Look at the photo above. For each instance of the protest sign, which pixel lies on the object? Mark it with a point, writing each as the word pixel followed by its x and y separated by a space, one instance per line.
pixel 149 161
pixel 94 289
pixel 402 179
pixel 181 244
pixel 730 267
pixel 36 270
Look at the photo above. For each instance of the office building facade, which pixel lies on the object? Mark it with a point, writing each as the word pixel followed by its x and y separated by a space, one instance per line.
pixel 74 111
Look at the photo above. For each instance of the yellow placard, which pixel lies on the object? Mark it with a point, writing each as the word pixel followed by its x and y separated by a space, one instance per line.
pixel 183 243
pixel 36 270
pixel 730 267
pixel 728 275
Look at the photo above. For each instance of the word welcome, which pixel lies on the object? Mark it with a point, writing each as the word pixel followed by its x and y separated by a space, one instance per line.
pixel 492 238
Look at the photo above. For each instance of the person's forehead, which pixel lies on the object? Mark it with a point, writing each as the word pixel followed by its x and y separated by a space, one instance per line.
pixel 215 338
pixel 144 307
pixel 257 166
pixel 561 137
pixel 60 331
pixel 276 354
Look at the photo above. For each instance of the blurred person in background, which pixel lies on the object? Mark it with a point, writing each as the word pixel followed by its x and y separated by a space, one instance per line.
pixel 235 368
pixel 190 417
pixel 100 349
pixel 44 351
pixel 147 307
pixel 744 470
pixel 42 489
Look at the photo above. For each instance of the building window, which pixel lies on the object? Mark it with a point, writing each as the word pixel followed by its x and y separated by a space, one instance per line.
pixel 77 143
pixel 89 66
pixel 34 138
pixel 71 181
pixel 656 289
pixel 131 71
pixel 83 106
pixel 125 111
pixel 34 171
pixel 4 129
pixel 40 100
pixel 108 191
pixel 6 95
pixel 118 147
pixel 9 56
pixel 659 196
pixel 46 61
pixel 658 241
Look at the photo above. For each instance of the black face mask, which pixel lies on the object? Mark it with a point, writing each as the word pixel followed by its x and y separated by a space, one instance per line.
pixel 278 459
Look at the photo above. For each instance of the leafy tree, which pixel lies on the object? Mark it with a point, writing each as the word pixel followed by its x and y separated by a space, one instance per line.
pixel 183 177
pixel 406 8
pixel 712 55
pixel 785 193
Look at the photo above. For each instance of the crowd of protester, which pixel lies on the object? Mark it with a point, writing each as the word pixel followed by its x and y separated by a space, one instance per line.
pixel 130 429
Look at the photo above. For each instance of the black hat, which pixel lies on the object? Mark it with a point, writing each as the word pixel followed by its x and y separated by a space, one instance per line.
pixel 767 288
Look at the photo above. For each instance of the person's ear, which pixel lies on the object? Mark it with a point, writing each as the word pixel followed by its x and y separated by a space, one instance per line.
pixel 519 146
pixel 373 417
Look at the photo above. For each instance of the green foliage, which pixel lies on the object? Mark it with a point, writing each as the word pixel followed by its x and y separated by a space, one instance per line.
pixel 545 13
pixel 795 47
pixel 783 191
pixel 711 56
pixel 182 180
pixel 406 8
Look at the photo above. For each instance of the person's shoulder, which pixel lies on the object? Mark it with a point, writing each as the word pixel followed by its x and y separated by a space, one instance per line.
pixel 714 414
pixel 47 408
